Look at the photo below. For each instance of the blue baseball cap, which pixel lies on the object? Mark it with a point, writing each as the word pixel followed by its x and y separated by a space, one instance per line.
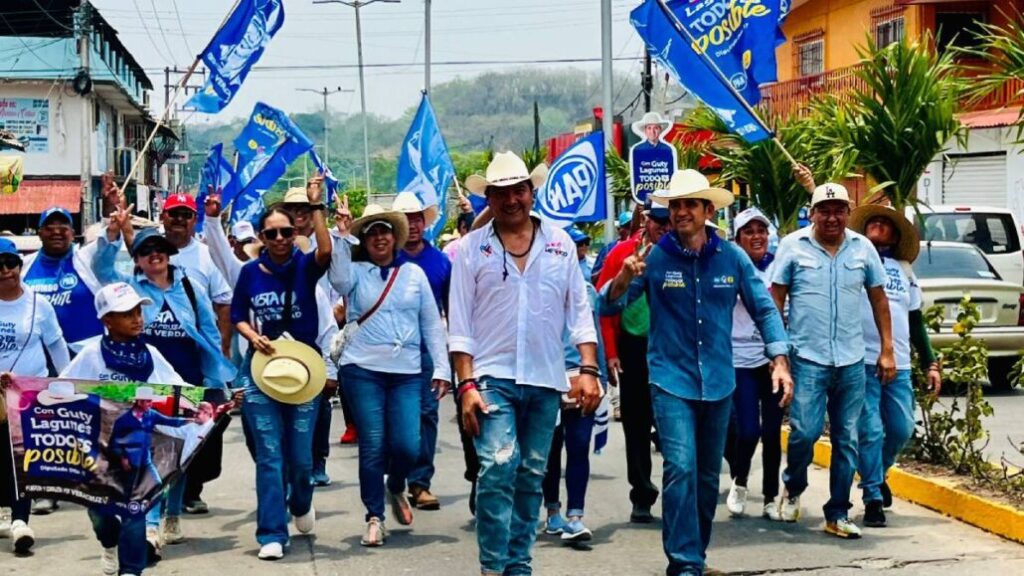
pixel 655 211
pixel 8 247
pixel 624 219
pixel 578 236
pixel 54 211
pixel 147 234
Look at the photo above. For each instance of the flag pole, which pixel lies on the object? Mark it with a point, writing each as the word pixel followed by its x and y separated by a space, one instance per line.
pixel 171 101
pixel 721 77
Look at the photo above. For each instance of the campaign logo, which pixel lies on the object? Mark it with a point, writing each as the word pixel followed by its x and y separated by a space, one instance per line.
pixel 556 249
pixel 68 281
pixel 575 187
pixel 486 250
pixel 673 279
pixel 723 281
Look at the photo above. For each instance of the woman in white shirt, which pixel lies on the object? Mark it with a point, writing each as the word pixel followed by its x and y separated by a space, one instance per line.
pixel 28 328
pixel 380 366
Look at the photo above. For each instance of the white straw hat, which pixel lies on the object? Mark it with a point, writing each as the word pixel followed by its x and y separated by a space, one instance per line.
pixel 506 169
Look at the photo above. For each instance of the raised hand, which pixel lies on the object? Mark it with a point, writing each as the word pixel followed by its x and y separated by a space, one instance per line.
pixel 636 264
pixel 315 189
pixel 804 176
pixel 119 223
pixel 342 216
pixel 212 206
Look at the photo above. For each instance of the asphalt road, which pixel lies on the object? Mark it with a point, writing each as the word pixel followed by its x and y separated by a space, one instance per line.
pixel 1006 425
pixel 442 543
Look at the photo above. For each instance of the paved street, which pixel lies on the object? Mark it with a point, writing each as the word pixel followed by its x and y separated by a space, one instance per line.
pixel 442 543
pixel 1006 424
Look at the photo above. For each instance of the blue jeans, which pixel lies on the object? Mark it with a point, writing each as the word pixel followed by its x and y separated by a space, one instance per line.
pixel 386 407
pixel 885 425
pixel 513 446
pixel 693 434
pixel 127 533
pixel 322 432
pixel 840 391
pixel 172 501
pixel 282 433
pixel 758 418
pixel 574 431
pixel 423 472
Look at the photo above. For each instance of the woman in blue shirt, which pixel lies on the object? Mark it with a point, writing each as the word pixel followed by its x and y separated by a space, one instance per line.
pixel 276 295
pixel 380 368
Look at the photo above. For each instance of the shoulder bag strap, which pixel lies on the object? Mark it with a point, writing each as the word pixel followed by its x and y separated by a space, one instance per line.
pixel 190 292
pixel 391 282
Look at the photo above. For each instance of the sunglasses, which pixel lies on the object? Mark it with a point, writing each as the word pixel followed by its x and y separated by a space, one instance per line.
pixel 181 214
pixel 9 262
pixel 149 249
pixel 285 232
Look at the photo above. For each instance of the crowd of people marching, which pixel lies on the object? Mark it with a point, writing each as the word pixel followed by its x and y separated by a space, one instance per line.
pixel 705 342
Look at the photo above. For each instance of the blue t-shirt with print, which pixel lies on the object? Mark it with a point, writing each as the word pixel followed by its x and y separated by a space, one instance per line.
pixel 57 280
pixel 438 269
pixel 262 294
pixel 167 335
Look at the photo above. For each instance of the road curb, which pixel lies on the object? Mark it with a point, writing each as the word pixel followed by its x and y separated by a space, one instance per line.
pixel 941 496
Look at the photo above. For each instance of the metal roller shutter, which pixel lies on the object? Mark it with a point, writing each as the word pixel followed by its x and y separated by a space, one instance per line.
pixel 970 180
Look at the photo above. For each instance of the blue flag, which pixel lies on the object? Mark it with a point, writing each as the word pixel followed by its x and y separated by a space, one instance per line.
pixel 266 146
pixel 331 182
pixel 739 37
pixel 217 173
pixel 575 190
pixel 235 47
pixel 425 168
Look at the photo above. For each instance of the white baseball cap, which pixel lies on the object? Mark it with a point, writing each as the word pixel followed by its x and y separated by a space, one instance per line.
pixel 118 297
pixel 750 215
pixel 829 192
pixel 243 231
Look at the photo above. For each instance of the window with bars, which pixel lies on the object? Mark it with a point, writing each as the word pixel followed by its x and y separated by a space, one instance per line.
pixel 811 57
pixel 889 31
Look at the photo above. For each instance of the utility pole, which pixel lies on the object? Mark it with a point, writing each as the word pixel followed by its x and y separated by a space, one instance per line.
pixel 426 46
pixel 325 93
pixel 356 5
pixel 536 128
pixel 647 81
pixel 84 30
pixel 607 103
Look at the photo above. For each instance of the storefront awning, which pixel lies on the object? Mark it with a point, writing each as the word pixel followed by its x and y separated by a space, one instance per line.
pixel 34 196
pixel 991 118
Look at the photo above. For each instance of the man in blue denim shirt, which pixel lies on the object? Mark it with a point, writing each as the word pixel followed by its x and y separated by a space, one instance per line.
pixel 692 280
pixel 824 269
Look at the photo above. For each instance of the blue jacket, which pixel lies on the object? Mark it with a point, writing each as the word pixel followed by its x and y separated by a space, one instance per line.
pixel 216 369
pixel 692 296
pixel 132 438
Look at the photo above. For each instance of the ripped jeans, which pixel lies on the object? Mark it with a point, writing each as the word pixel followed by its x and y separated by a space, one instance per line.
pixel 513 446
pixel 281 433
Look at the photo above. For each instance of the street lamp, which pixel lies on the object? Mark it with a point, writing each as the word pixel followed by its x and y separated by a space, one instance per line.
pixel 357 4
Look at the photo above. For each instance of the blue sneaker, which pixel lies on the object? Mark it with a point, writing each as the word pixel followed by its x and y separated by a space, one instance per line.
pixel 320 477
pixel 575 531
pixel 555 525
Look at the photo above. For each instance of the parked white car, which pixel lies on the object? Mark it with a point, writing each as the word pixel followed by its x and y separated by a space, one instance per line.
pixel 995 231
pixel 946 271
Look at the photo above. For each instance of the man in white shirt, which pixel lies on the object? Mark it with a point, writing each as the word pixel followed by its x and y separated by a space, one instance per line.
pixel 516 288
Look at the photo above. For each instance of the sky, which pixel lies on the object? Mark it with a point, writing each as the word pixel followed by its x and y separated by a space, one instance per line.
pixel 170 33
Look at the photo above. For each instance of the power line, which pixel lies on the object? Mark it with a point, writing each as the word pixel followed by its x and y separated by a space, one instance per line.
pixel 50 16
pixel 148 33
pixel 181 26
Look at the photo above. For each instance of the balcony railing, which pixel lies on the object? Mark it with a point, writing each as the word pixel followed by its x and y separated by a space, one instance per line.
pixel 793 96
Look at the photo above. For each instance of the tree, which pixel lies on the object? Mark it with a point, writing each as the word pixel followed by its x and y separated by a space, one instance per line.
pixel 1001 48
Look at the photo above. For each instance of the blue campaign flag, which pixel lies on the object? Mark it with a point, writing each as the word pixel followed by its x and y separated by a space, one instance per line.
pixel 235 47
pixel 266 146
pixel 575 190
pixel 217 173
pixel 330 181
pixel 425 168
pixel 739 38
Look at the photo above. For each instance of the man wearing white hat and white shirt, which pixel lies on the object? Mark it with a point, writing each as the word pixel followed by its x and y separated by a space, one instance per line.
pixel 438 268
pixel 692 280
pixel 824 269
pixel 516 289
pixel 652 158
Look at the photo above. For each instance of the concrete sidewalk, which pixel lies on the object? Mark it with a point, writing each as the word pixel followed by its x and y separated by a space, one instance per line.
pixel 443 543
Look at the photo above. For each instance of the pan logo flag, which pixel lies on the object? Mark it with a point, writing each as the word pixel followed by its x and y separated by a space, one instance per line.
pixel 233 51
pixel 425 168
pixel 738 37
pixel 575 190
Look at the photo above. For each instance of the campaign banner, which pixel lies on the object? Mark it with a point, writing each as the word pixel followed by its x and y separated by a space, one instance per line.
pixel 216 174
pixel 424 167
pixel 575 189
pixel 101 444
pixel 651 166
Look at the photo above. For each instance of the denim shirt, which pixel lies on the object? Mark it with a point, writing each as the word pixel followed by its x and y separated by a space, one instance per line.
pixel 216 369
pixel 691 297
pixel 825 294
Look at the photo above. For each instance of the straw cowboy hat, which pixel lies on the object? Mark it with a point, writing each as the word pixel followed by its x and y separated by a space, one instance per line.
pixel 374 213
pixel 909 244
pixel 295 195
pixel 146 393
pixel 506 169
pixel 648 119
pixel 59 392
pixel 691 184
pixel 294 374
pixel 408 203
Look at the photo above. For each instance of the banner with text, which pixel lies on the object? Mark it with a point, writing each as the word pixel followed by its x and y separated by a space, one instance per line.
pixel 575 190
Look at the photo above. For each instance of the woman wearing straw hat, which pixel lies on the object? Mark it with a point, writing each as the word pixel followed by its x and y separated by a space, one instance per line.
pixel 391 311
pixel 275 309
pixel 182 325
pixel 887 419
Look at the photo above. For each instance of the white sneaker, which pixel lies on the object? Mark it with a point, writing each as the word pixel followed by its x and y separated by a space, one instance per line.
pixel 108 561
pixel 737 499
pixel 5 522
pixel 22 537
pixel 843 528
pixel 771 511
pixel 271 551
pixel 789 508
pixel 305 523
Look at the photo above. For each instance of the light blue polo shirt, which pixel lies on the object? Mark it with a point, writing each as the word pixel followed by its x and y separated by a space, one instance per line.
pixel 825 295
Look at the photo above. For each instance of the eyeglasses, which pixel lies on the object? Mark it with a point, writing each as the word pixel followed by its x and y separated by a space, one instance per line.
pixel 286 232
pixel 299 209
pixel 9 262
pixel 183 214
pixel 149 249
